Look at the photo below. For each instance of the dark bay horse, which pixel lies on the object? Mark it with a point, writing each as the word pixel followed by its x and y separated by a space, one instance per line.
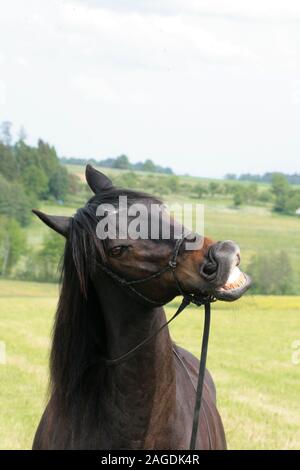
pixel 147 401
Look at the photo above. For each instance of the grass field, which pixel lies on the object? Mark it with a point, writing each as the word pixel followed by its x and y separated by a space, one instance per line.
pixel 249 356
pixel 79 170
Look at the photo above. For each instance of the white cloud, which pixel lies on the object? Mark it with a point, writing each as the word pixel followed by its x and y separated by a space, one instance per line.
pixel 295 93
pixel 94 88
pixel 151 40
pixel 111 90
pixel 2 93
pixel 254 10
pixel 179 81
pixel 264 10
pixel 22 62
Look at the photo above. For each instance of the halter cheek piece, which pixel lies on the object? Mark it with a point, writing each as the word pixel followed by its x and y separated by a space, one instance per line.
pixel 187 299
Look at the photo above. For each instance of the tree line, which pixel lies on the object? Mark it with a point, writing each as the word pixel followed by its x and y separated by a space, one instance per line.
pixel 265 178
pixel 281 195
pixel 28 174
pixel 121 162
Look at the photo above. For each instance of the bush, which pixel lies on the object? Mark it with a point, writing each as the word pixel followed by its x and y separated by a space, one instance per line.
pixel 44 265
pixel 200 190
pixel 128 179
pixel 215 188
pixel 272 274
pixel 74 184
pixel 14 202
pixel 265 196
pixel 293 202
pixel 12 245
pixel 172 182
pixel 35 181
pixel 245 194
pixel 239 196
pixel 280 189
pixel 122 162
pixel 58 183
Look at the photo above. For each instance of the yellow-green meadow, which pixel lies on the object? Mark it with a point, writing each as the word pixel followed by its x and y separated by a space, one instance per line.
pixel 250 358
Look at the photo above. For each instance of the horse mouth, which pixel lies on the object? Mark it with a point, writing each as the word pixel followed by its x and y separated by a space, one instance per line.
pixel 236 285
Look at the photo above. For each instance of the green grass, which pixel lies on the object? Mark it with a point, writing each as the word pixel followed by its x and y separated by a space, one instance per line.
pixel 249 356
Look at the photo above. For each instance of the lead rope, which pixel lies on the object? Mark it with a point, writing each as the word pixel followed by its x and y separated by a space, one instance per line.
pixel 115 362
pixel 195 390
pixel 201 375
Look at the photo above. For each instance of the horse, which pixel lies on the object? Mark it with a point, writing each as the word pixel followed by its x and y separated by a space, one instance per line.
pixel 147 400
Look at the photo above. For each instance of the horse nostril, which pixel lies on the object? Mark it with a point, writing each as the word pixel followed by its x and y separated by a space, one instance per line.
pixel 219 260
pixel 209 269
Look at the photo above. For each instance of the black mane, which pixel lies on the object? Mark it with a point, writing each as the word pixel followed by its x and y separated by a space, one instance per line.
pixel 78 333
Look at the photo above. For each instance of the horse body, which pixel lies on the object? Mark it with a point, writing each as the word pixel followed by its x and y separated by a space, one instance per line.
pixel 146 401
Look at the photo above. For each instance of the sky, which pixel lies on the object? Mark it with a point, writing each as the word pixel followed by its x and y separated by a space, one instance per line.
pixel 207 87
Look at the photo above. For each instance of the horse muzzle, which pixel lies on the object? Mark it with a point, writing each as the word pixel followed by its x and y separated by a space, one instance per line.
pixel 221 273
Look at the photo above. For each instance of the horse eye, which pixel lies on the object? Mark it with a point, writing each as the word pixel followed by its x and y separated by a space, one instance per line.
pixel 117 250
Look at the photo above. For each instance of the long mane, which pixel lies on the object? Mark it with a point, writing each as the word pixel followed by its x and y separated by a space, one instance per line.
pixel 78 333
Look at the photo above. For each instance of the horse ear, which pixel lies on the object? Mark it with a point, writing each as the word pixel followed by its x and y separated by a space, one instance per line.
pixel 96 180
pixel 58 223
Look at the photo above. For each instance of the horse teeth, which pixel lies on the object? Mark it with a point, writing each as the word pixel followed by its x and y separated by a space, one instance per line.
pixel 236 279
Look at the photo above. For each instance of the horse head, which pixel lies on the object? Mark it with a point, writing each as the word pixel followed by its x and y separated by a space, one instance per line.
pixel 145 262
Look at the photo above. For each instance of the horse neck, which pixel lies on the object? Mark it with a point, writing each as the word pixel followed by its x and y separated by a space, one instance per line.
pixel 141 390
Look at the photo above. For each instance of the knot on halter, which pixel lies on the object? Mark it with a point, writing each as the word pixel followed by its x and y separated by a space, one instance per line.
pixel 173 264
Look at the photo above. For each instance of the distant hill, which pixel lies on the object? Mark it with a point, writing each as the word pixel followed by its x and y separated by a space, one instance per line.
pixel 120 162
pixel 266 178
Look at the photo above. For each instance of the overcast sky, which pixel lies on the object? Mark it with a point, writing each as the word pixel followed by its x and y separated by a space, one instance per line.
pixel 204 86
